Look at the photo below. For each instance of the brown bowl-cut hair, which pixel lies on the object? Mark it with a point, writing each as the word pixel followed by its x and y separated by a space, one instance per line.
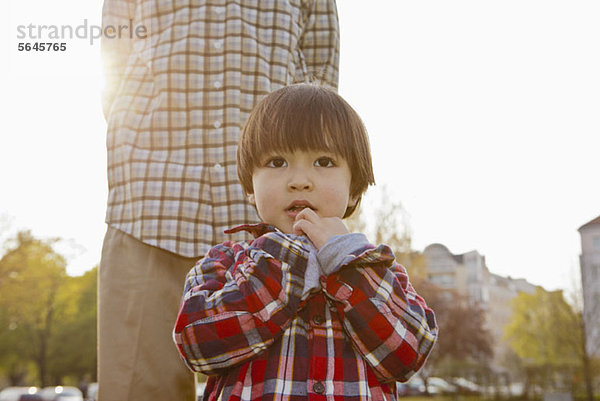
pixel 305 117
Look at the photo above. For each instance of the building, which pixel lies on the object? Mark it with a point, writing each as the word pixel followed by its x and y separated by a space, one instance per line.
pixel 590 279
pixel 502 291
pixel 466 273
pixel 469 275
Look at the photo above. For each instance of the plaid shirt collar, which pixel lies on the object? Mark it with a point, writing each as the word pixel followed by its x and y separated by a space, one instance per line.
pixel 256 229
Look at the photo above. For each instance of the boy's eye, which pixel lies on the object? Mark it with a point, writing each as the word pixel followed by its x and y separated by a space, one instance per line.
pixel 324 162
pixel 276 162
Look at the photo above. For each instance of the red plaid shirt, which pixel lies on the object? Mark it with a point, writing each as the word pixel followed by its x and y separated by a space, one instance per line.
pixel 243 323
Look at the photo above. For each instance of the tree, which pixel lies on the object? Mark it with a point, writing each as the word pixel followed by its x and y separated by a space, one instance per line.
pixel 48 318
pixel 73 345
pixel 74 342
pixel 544 334
pixel 464 345
pixel 387 222
pixel 12 348
pixel 31 274
pixel 587 362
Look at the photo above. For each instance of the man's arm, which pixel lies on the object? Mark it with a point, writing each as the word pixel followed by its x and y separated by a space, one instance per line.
pixel 320 42
pixel 238 301
pixel 116 48
pixel 388 323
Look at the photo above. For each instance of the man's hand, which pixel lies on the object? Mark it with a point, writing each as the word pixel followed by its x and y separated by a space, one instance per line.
pixel 318 229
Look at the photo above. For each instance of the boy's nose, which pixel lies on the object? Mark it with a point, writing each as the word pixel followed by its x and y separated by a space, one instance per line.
pixel 299 186
pixel 300 181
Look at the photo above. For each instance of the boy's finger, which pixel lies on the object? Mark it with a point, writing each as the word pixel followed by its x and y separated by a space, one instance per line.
pixel 307 214
pixel 298 226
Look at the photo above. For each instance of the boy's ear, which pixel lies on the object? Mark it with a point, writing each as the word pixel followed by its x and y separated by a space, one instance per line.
pixel 353 201
pixel 251 199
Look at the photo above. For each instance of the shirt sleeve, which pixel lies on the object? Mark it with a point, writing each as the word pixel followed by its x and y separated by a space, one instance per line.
pixel 332 254
pixel 116 46
pixel 238 300
pixel 389 324
pixel 320 42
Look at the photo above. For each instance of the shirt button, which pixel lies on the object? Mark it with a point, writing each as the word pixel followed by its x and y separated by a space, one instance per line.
pixel 318 320
pixel 218 44
pixel 318 388
pixel 217 84
pixel 217 124
pixel 219 10
pixel 218 166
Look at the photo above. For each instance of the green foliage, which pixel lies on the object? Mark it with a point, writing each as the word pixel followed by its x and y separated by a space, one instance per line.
pixel 73 345
pixel 47 318
pixel 543 329
pixel 547 334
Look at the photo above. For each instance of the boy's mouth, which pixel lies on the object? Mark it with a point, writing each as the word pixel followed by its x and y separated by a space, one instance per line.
pixel 298 206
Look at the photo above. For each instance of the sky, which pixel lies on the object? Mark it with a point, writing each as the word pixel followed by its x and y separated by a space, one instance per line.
pixel 483 119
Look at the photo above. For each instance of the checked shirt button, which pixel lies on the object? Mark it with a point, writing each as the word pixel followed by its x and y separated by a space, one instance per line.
pixel 318 320
pixel 319 388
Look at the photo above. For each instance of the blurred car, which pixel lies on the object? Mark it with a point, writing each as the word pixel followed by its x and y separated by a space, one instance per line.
pixel 516 389
pixel 416 386
pixel 437 385
pixel 412 387
pixel 61 393
pixel 465 386
pixel 92 392
pixel 30 397
pixel 512 390
pixel 14 393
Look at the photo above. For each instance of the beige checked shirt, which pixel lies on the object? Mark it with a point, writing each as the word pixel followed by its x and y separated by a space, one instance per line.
pixel 182 76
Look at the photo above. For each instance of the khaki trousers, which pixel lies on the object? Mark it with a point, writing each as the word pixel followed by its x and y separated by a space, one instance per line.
pixel 139 291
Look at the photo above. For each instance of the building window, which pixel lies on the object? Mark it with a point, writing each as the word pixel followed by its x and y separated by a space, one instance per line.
pixel 443 280
pixel 596 242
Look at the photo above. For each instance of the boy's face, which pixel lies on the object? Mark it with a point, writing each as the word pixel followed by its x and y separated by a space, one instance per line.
pixel 286 183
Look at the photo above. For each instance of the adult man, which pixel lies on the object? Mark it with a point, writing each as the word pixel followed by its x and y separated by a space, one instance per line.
pixel 180 82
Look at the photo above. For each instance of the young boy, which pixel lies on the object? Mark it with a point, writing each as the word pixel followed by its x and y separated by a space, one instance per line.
pixel 307 310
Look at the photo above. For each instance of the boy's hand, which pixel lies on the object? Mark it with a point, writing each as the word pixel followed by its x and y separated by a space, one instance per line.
pixel 318 229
